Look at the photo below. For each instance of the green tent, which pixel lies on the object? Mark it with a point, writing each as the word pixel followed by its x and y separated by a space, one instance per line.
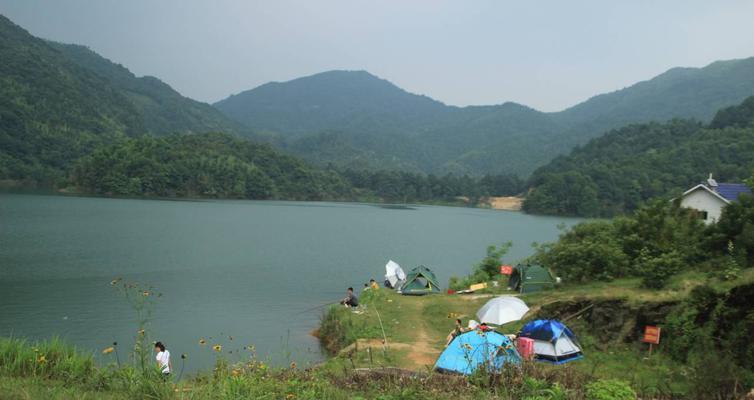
pixel 420 280
pixel 530 278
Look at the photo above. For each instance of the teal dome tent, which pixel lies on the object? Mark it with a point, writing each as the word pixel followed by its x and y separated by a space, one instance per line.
pixel 419 281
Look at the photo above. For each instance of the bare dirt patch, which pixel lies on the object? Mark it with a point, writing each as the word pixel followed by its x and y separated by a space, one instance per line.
pixel 509 203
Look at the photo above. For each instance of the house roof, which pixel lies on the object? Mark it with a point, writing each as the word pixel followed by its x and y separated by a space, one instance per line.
pixel 731 191
pixel 702 186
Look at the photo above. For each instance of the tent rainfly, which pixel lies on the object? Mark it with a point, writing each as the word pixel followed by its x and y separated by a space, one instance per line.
pixel 394 274
pixel 553 341
pixel 502 310
pixel 530 278
pixel 470 350
pixel 420 280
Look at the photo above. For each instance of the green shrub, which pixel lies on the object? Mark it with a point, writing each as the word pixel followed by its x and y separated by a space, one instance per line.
pixel 609 389
pixel 657 270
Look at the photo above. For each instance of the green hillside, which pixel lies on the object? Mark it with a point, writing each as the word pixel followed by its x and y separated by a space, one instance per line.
pixel 678 93
pixel 355 119
pixel 202 165
pixel 52 110
pixel 161 108
pixel 617 172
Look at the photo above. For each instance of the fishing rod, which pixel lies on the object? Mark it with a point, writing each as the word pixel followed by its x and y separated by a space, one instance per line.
pixel 317 307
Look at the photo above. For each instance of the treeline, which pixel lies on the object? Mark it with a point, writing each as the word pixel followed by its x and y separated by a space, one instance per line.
pixel 398 186
pixel 654 243
pixel 618 172
pixel 222 166
pixel 205 165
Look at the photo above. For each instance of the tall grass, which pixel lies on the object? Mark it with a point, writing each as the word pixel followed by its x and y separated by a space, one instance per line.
pixel 51 359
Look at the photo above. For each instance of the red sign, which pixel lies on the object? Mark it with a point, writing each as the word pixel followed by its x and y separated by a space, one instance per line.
pixel 506 269
pixel 651 334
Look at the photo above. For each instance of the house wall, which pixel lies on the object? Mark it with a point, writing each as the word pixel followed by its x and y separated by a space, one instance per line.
pixel 704 201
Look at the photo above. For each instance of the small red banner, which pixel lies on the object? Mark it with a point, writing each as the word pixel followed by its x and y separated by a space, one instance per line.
pixel 651 334
pixel 506 269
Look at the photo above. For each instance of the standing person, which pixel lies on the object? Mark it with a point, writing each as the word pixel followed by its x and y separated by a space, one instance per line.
pixel 163 359
pixel 351 300
pixel 459 329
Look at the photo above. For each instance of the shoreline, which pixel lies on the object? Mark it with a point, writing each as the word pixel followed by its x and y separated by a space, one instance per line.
pixel 502 203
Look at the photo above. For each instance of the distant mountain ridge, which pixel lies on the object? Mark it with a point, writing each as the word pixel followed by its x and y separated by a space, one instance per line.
pixel 162 109
pixel 380 122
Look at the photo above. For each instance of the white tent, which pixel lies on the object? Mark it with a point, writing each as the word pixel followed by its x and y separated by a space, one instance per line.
pixel 394 273
pixel 501 310
pixel 562 349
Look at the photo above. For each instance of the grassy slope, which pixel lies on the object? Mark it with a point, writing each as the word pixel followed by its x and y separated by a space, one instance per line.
pixel 424 322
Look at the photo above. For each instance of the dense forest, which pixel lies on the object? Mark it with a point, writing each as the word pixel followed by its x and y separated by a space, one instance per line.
pixel 616 173
pixel 202 165
pixel 51 110
pixel 161 109
pixel 221 166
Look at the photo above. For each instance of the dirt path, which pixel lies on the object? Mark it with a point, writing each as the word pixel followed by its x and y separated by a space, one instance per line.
pixel 422 353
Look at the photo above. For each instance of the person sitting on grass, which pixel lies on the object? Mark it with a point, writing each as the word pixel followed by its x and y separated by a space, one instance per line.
pixel 351 300
pixel 373 284
pixel 163 359
pixel 459 329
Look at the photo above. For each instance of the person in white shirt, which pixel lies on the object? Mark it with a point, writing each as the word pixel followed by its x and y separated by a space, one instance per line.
pixel 163 359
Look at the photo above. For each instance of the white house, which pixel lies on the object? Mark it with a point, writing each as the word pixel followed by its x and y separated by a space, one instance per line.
pixel 710 198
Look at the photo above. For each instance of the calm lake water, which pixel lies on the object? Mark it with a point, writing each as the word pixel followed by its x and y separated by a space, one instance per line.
pixel 241 268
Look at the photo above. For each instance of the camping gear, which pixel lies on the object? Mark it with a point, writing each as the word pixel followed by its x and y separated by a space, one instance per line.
pixel 530 278
pixel 502 310
pixel 525 347
pixel 553 341
pixel 470 350
pixel 393 274
pixel 473 324
pixel 419 281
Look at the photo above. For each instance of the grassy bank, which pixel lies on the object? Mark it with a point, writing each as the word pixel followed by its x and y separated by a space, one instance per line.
pixel 607 317
pixel 54 370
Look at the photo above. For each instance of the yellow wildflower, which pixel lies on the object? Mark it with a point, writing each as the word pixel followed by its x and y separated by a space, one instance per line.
pixel 202 341
pixel 42 359
pixel 235 372
pixel 217 347
pixel 108 350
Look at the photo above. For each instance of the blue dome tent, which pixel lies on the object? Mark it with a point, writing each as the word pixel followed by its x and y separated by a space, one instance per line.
pixel 553 341
pixel 470 350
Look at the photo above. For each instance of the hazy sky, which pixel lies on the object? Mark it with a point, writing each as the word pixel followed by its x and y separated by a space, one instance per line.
pixel 545 54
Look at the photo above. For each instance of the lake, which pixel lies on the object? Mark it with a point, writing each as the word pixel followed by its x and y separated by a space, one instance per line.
pixel 247 269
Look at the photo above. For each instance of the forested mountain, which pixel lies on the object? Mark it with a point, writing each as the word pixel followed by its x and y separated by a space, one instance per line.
pixel 356 119
pixel 615 173
pixel 59 102
pixel 161 109
pixel 52 110
pixel 696 93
